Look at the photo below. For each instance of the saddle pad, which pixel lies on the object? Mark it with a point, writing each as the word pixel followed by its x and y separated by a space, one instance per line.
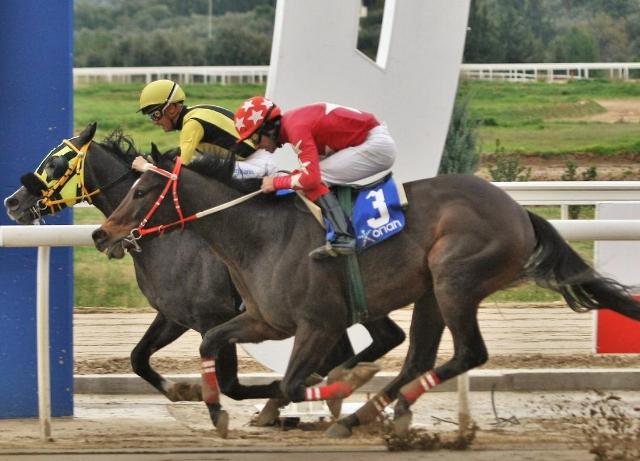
pixel 377 214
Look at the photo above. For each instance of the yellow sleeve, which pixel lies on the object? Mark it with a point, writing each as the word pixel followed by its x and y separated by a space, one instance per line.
pixel 190 136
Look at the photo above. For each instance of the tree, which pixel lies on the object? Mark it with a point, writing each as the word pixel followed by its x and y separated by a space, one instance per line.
pixel 460 154
pixel 519 43
pixel 576 45
pixel 613 42
pixel 481 44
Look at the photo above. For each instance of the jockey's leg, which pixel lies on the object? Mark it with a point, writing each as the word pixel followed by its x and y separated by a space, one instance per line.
pixel 256 165
pixel 344 241
pixel 375 155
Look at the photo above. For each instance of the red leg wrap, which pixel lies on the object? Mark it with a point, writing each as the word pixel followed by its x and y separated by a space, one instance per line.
pixel 419 386
pixel 210 388
pixel 337 390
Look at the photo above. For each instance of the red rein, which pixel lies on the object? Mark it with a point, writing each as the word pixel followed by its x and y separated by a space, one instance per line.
pixel 172 182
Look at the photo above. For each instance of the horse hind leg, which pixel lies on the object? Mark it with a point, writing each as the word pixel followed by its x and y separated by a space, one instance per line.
pixel 426 330
pixel 161 333
pixel 463 276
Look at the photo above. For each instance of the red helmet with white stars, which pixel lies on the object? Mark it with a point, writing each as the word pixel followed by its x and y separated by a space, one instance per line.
pixel 252 114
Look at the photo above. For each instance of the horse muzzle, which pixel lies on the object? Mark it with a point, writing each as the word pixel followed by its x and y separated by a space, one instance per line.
pixel 106 243
pixel 20 211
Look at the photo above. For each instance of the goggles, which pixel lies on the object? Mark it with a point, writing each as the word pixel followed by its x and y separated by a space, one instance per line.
pixel 156 114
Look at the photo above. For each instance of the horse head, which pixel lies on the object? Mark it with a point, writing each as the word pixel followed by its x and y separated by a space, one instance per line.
pixel 118 233
pixel 144 211
pixel 28 204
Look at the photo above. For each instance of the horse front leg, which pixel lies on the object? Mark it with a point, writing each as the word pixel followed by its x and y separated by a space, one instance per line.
pixel 160 333
pixel 240 329
pixel 385 335
pixel 310 347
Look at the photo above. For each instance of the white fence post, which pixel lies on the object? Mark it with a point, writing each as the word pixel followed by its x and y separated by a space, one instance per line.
pixel 42 316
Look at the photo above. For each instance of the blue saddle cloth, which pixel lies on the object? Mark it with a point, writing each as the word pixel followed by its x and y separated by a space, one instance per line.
pixel 377 213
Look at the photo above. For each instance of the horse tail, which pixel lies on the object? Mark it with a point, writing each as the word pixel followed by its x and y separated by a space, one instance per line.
pixel 555 265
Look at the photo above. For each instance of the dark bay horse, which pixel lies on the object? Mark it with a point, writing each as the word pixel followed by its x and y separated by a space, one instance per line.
pixel 188 286
pixel 464 240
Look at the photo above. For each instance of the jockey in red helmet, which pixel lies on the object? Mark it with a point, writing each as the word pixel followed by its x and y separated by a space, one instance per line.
pixel 336 145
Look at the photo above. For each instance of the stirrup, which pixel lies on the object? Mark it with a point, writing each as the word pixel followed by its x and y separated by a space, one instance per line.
pixel 324 251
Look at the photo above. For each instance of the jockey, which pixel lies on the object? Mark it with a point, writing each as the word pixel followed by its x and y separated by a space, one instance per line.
pixel 336 145
pixel 203 129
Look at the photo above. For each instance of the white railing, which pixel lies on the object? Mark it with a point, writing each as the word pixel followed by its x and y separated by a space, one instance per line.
pixel 182 74
pixel 258 74
pixel 530 193
pixel 547 71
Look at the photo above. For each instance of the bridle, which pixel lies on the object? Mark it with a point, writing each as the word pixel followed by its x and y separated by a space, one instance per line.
pixel 172 182
pixel 76 167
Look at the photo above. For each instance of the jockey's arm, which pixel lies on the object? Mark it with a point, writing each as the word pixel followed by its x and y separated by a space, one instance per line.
pixel 307 177
pixel 190 136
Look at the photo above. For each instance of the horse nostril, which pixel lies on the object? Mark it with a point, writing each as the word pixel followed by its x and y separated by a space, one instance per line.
pixel 98 235
pixel 11 203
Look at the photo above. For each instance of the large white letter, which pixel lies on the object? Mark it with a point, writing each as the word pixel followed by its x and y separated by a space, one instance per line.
pixel 411 85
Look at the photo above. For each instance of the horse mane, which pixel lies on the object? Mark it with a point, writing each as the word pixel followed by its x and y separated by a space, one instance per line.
pixel 221 168
pixel 121 145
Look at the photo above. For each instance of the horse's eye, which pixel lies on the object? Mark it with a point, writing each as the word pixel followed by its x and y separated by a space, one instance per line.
pixel 138 193
pixel 56 167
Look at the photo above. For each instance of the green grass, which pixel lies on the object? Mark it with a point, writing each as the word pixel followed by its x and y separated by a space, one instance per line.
pixel 563 137
pixel 536 117
pixel 523 116
pixel 100 282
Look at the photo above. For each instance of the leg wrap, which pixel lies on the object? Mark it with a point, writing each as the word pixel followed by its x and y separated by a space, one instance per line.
pixel 419 386
pixel 337 390
pixel 210 388
pixel 373 408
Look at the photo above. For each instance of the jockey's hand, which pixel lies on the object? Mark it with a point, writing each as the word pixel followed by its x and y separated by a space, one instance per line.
pixel 140 164
pixel 267 184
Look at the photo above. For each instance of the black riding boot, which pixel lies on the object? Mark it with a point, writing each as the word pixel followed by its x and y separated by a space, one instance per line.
pixel 344 242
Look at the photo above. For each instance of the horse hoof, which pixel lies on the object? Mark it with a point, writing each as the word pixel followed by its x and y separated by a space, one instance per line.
pixel 338 431
pixel 270 413
pixel 401 424
pixel 222 423
pixel 335 407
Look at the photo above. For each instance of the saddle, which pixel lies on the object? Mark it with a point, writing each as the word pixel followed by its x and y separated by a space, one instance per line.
pixel 375 209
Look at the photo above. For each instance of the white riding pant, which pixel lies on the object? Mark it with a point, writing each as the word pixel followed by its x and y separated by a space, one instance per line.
pixel 375 155
pixel 256 165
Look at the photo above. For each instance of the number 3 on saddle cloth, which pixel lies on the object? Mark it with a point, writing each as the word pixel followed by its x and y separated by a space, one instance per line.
pixel 377 213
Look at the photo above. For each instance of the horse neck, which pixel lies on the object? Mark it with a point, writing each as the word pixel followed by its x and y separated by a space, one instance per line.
pixel 102 168
pixel 232 232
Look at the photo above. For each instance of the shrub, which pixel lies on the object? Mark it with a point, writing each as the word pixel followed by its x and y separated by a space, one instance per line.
pixel 460 154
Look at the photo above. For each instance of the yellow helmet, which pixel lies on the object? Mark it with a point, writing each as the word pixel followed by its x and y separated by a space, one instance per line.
pixel 159 94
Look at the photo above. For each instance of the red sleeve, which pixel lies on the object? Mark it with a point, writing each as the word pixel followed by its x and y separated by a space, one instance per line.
pixel 307 177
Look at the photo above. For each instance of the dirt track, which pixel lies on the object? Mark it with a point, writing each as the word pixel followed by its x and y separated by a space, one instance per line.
pixel 517 336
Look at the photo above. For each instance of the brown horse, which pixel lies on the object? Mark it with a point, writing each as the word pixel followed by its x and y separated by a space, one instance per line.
pixel 204 296
pixel 464 240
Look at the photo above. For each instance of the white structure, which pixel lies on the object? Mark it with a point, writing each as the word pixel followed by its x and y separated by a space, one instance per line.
pixel 411 85
pixel 618 259
pixel 549 72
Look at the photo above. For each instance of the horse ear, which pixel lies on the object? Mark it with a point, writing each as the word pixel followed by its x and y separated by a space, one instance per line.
pixel 155 153
pixel 88 133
